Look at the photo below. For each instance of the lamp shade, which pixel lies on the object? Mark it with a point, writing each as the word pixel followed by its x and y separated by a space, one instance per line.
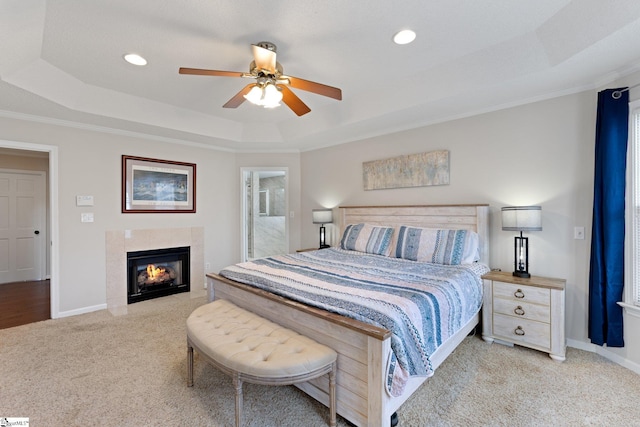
pixel 522 218
pixel 322 216
pixel 255 95
pixel 264 94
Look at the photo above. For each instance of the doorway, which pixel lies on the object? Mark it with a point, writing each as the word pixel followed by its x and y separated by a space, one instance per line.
pixel 49 232
pixel 264 206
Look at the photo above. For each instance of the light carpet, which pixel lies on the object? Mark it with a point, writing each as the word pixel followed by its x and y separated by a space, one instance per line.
pixel 97 369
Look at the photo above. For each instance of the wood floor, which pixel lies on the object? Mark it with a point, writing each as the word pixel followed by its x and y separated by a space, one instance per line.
pixel 24 302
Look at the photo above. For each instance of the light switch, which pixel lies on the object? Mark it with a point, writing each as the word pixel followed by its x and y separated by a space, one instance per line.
pixel 86 217
pixel 578 233
pixel 84 200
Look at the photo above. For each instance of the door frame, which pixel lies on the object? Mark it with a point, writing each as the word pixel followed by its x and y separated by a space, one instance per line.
pixel 243 206
pixel 54 254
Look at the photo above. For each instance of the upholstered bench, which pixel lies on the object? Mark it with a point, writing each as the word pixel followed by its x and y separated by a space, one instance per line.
pixel 250 348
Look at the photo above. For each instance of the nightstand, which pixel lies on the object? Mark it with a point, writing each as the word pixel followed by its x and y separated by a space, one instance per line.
pixel 525 311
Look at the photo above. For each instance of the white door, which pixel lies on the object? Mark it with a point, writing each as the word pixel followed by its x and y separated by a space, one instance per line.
pixel 22 226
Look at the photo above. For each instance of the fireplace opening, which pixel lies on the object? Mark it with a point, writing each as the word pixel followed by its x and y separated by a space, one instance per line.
pixel 157 273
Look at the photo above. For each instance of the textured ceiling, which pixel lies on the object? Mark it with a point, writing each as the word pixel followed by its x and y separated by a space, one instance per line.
pixel 62 60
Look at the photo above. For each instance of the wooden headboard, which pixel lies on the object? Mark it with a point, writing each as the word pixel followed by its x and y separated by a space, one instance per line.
pixel 459 217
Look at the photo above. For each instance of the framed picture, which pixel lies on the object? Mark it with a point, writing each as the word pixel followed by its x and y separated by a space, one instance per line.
pixel 157 186
pixel 413 170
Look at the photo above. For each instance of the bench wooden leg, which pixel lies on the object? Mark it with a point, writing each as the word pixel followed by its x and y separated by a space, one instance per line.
pixel 332 396
pixel 189 366
pixel 237 383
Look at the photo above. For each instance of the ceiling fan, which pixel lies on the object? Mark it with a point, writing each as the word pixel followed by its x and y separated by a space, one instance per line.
pixel 271 85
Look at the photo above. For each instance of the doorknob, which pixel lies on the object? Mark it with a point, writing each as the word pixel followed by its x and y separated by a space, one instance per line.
pixel 36 232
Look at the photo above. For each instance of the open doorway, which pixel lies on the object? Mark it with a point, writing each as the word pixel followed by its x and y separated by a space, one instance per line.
pixel 264 207
pixel 17 160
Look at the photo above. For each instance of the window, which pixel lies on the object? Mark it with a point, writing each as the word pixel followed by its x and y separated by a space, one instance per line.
pixel 632 264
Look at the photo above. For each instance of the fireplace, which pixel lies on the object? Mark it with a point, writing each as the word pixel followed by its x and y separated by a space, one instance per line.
pixel 157 273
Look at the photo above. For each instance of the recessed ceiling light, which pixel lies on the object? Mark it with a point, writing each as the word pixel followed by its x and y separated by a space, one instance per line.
pixel 404 37
pixel 135 59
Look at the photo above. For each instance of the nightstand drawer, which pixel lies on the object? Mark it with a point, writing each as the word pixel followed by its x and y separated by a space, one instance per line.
pixel 522 330
pixel 522 293
pixel 522 310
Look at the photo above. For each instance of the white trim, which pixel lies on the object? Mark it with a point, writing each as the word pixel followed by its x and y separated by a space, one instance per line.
pixel 141 135
pixel 55 232
pixel 581 345
pixel 604 352
pixel 626 363
pixel 108 130
pixel 54 289
pixel 83 310
pixel 630 309
pixel 631 270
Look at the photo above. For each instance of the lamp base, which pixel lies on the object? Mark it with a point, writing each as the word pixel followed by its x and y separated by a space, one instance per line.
pixel 523 274
pixel 324 246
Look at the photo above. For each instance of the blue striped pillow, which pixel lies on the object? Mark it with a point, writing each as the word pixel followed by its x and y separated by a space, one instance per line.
pixel 367 238
pixel 450 247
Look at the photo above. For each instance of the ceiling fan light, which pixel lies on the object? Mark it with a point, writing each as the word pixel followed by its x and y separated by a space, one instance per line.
pixel 272 96
pixel 255 95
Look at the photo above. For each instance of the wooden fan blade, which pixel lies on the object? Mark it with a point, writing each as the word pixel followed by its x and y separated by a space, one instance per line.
pixel 309 86
pixel 201 72
pixel 238 98
pixel 293 102
pixel 265 59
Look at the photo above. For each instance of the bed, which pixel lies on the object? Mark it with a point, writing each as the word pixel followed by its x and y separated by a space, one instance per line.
pixel 365 391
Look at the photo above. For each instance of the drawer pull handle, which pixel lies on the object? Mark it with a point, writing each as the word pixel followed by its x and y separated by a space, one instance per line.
pixel 518 294
pixel 519 331
pixel 519 311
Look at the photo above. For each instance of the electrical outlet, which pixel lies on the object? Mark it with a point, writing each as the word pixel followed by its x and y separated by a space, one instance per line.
pixel 578 233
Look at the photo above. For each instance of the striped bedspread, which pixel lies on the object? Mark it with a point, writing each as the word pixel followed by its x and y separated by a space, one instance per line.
pixel 422 304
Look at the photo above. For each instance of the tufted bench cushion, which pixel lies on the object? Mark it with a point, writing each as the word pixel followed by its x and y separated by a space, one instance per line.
pixel 253 349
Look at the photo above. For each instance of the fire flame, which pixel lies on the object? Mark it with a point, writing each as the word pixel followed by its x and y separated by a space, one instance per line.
pixel 153 271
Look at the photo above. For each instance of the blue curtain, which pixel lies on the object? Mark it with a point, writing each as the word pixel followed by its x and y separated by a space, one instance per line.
pixel 606 276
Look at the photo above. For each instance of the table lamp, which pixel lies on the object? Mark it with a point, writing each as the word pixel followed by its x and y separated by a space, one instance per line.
pixel 322 217
pixel 521 218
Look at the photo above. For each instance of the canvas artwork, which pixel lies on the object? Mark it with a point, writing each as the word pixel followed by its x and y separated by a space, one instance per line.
pixel 413 170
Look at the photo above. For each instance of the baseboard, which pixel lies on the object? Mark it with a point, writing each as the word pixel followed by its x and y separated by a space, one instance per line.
pixel 581 345
pixel 82 310
pixel 604 352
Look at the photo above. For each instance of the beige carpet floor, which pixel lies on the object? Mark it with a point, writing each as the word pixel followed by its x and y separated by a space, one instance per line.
pixel 99 370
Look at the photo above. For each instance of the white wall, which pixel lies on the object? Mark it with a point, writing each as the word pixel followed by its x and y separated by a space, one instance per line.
pixel 89 164
pixel 537 154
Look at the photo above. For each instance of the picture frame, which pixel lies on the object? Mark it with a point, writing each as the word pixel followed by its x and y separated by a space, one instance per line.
pixel 157 186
